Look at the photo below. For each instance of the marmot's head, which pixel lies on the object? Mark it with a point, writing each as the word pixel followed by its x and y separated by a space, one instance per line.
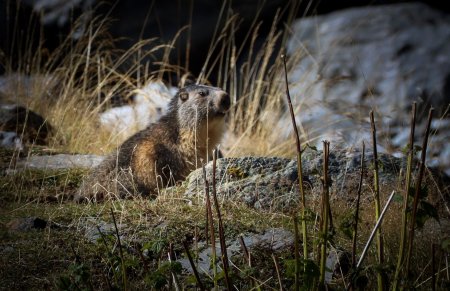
pixel 199 105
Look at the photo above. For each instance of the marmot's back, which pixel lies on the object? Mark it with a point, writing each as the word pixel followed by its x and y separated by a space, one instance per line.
pixel 166 151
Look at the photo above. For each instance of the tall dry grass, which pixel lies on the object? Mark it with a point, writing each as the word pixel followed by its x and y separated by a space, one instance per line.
pixel 79 80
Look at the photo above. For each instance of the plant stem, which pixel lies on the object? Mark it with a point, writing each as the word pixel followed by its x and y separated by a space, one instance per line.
pixel 223 246
pixel 325 218
pixel 299 166
pixel 380 277
pixel 356 218
pixel 210 222
pixel 417 192
pixel 403 239
pixel 296 255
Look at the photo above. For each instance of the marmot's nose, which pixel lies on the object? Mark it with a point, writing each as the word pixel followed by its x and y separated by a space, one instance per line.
pixel 223 101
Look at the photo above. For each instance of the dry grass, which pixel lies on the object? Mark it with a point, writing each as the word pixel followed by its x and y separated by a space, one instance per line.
pixel 80 81
pixel 71 86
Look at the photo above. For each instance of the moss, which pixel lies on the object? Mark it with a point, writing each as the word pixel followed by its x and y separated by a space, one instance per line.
pixel 237 173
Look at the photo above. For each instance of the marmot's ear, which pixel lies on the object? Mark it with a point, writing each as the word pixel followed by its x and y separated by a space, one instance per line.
pixel 183 96
pixel 186 81
pixel 189 82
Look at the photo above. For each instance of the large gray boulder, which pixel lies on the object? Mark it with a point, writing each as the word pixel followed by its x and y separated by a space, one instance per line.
pixel 271 183
pixel 382 58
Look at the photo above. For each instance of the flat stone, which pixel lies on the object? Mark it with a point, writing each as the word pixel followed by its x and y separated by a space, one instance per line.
pixel 60 161
pixel 274 239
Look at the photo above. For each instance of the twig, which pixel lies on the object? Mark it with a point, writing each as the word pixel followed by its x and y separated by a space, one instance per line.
pixel 377 225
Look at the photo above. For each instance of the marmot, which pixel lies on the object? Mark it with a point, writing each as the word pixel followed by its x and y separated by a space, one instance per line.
pixel 166 151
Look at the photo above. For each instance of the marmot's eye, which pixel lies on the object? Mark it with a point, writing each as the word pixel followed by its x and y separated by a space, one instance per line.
pixel 203 93
pixel 184 96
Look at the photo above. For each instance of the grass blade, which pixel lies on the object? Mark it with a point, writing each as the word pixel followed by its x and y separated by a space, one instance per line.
pixel 171 258
pixel 277 269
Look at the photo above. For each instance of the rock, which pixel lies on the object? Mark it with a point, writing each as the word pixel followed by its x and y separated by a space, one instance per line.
pixel 272 240
pixel 338 264
pixel 26 224
pixel 256 181
pixel 275 239
pixel 59 161
pixel 29 223
pixel 91 226
pixel 10 140
pixel 271 183
pixel 381 58
pixel 148 105
pixel 6 250
pixel 30 126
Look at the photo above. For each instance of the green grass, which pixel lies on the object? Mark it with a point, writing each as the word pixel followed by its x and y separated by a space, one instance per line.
pixel 61 257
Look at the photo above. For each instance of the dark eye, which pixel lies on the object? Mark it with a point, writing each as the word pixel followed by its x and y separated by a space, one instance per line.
pixel 203 93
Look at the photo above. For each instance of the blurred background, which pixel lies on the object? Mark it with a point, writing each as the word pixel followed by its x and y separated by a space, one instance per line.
pixel 194 22
pixel 73 61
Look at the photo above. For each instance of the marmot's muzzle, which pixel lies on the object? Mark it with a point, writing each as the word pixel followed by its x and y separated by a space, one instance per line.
pixel 222 102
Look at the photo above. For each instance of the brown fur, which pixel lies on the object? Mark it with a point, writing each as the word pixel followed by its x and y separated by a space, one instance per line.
pixel 166 151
